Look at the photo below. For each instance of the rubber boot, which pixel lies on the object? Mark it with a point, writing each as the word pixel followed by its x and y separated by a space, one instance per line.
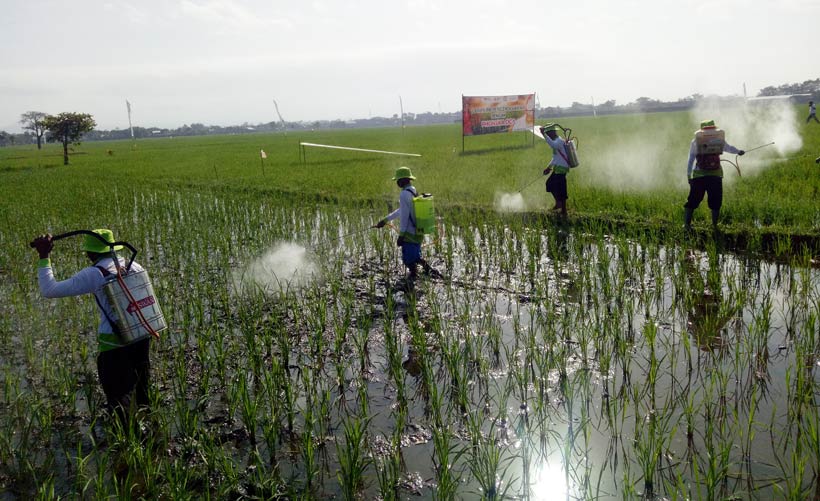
pixel 687 217
pixel 715 217
pixel 564 207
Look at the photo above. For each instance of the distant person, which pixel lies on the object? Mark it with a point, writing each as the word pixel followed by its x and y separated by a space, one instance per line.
pixel 409 240
pixel 559 166
pixel 704 172
pixel 812 113
pixel 123 369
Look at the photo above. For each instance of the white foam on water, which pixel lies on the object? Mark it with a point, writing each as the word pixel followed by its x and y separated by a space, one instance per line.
pixel 509 202
pixel 286 266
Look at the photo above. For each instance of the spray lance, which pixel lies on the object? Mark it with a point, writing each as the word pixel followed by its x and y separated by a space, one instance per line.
pixel 736 162
pixel 129 293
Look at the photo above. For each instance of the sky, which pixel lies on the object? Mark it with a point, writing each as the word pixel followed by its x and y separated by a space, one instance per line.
pixel 224 62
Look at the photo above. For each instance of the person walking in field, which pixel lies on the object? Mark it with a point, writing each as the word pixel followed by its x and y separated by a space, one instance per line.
pixel 409 239
pixel 704 172
pixel 123 369
pixel 812 113
pixel 558 166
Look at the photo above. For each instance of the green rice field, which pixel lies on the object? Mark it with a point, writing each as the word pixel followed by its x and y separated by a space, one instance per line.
pixel 606 355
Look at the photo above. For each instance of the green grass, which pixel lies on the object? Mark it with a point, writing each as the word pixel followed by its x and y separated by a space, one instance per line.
pixel 633 170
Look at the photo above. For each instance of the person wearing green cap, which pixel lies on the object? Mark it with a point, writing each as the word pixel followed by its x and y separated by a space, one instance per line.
pixel 123 369
pixel 559 166
pixel 704 172
pixel 408 240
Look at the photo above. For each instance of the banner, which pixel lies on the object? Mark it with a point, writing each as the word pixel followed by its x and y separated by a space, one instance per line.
pixel 492 114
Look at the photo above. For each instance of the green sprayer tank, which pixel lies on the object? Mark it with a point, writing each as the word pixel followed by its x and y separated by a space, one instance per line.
pixel 425 214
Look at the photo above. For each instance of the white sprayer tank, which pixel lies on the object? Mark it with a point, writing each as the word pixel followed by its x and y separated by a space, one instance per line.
pixel 131 326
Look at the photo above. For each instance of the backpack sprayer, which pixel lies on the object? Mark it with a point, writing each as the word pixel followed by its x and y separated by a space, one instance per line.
pixel 571 143
pixel 130 294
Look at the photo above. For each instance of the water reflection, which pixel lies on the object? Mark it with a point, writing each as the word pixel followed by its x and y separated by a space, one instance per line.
pixel 707 313
pixel 549 482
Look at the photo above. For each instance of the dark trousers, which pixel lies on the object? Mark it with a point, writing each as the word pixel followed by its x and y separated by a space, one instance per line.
pixel 557 185
pixel 124 375
pixel 705 185
pixel 812 115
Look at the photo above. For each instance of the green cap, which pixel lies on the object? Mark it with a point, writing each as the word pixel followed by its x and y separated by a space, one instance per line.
pixel 707 123
pixel 403 173
pixel 93 244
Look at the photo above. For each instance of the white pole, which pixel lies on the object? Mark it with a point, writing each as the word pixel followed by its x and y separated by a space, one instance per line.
pixel 128 106
pixel 401 109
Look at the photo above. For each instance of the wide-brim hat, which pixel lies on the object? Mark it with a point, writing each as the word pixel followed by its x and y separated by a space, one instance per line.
pixel 550 127
pixel 707 123
pixel 403 173
pixel 94 244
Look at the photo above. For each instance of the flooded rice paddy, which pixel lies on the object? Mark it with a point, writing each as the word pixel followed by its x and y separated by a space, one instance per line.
pixel 546 362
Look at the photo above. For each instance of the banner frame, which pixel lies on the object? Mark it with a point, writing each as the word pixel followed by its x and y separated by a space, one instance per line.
pixel 532 112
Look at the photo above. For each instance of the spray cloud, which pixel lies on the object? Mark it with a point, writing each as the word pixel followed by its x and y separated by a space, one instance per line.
pixel 284 266
pixel 509 202
pixel 752 124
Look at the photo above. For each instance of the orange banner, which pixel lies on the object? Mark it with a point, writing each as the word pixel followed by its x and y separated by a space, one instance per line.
pixel 492 114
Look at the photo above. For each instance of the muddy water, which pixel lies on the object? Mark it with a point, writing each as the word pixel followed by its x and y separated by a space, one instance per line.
pixel 602 367
pixel 549 362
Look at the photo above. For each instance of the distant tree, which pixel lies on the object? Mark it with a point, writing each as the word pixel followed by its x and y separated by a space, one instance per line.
pixel 807 87
pixel 68 128
pixel 646 102
pixel 33 121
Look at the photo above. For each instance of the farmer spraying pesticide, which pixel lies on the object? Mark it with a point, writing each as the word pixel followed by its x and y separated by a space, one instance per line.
pixel 415 220
pixel 123 364
pixel 704 172
pixel 563 158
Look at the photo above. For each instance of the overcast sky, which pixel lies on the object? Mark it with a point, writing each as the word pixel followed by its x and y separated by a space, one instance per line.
pixel 223 62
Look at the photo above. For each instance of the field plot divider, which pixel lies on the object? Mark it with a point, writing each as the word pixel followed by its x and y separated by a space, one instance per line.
pixel 315 145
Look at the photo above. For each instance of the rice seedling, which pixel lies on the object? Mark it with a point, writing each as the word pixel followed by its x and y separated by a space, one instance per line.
pixel 619 360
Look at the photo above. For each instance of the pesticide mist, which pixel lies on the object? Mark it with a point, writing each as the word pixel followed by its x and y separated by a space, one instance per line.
pixel 509 202
pixel 285 266
pixel 648 157
pixel 753 124
pixel 638 159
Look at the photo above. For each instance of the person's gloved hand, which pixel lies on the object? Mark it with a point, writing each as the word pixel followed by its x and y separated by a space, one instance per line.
pixel 690 180
pixel 741 153
pixel 547 171
pixel 380 224
pixel 400 241
pixel 43 244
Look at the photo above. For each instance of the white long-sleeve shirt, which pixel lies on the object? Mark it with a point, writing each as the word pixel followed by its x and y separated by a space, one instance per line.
pixel 693 150
pixel 89 280
pixel 405 211
pixel 558 148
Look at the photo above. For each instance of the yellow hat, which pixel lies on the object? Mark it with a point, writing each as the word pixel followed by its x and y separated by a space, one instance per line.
pixel 94 244
pixel 403 173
